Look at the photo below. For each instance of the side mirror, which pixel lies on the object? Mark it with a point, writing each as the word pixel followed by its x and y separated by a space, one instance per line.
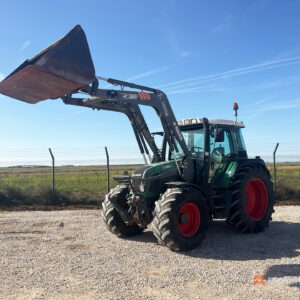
pixel 219 135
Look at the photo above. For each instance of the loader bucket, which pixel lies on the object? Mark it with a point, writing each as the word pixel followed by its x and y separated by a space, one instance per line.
pixel 61 68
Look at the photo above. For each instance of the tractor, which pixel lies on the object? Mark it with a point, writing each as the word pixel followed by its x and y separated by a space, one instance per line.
pixel 200 171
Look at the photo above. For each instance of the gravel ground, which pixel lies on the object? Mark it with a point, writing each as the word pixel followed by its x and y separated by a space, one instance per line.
pixel 70 255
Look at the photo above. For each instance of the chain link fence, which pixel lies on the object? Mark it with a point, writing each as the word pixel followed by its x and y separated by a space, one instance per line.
pixel 26 175
pixel 81 176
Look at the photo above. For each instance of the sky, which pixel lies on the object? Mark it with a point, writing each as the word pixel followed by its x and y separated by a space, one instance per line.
pixel 204 55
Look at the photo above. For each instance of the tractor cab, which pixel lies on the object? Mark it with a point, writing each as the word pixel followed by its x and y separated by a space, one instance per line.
pixel 225 138
pixel 226 144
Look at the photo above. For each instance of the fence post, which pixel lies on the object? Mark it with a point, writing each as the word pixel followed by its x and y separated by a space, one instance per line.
pixel 107 169
pixel 274 167
pixel 53 177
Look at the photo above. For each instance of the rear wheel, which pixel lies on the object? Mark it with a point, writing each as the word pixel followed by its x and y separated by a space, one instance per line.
pixel 180 218
pixel 252 201
pixel 111 217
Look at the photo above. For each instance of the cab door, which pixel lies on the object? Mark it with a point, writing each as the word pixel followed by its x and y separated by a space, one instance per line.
pixel 221 150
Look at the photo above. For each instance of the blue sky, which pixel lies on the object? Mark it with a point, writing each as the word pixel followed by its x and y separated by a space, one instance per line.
pixel 204 54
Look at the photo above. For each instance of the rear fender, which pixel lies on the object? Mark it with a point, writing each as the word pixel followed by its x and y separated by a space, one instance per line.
pixel 251 162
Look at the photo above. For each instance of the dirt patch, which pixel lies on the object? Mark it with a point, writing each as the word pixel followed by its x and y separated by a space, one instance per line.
pixel 83 260
pixel 74 247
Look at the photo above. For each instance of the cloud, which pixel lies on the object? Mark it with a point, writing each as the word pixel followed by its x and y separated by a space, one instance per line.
pixel 279 82
pixel 263 100
pixel 281 105
pixel 185 53
pixel 184 90
pixel 149 73
pixel 276 63
pixel 190 90
pixel 1 76
pixel 25 45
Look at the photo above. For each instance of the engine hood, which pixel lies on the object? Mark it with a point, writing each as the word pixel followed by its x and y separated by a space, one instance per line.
pixel 152 170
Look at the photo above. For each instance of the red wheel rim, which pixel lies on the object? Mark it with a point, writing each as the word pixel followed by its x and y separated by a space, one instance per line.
pixel 189 219
pixel 257 203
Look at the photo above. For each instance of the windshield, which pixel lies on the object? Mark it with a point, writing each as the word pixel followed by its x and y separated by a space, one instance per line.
pixel 194 140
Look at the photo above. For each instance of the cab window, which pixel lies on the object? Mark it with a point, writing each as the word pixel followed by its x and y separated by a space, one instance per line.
pixel 239 139
pixel 221 149
pixel 194 140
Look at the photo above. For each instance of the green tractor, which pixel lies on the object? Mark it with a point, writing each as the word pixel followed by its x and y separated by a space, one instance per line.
pixel 224 184
pixel 199 173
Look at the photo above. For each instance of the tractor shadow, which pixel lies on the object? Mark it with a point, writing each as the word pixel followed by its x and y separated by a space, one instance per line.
pixel 284 274
pixel 145 237
pixel 280 239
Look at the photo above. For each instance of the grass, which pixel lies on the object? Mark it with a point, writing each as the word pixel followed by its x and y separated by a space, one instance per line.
pixel 88 185
pixel 288 182
pixel 73 185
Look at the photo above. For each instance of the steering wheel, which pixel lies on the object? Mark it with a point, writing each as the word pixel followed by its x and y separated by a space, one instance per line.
pixel 196 147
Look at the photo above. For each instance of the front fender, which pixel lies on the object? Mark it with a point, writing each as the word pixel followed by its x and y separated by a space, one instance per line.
pixel 206 191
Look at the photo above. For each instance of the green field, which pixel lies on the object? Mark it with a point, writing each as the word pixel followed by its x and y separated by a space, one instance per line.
pixel 88 185
pixel 73 185
pixel 288 182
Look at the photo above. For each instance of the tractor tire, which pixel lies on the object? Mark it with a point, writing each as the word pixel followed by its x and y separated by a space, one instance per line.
pixel 252 200
pixel 181 217
pixel 111 217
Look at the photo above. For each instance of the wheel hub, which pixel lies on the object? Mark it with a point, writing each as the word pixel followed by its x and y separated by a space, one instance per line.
pixel 184 218
pixel 257 199
pixel 189 219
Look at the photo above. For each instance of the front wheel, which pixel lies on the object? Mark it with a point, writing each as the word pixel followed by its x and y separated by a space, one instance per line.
pixel 111 217
pixel 180 218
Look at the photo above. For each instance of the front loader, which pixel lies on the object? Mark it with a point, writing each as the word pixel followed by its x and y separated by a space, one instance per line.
pixel 201 171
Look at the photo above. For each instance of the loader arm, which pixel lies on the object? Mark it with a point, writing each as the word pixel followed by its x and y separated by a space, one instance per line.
pixel 128 102
pixel 135 117
pixel 153 98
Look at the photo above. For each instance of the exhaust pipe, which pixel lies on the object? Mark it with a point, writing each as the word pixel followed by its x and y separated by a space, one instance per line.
pixel 63 67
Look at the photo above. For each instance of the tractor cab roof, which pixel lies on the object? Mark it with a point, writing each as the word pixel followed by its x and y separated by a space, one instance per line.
pixel 222 122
